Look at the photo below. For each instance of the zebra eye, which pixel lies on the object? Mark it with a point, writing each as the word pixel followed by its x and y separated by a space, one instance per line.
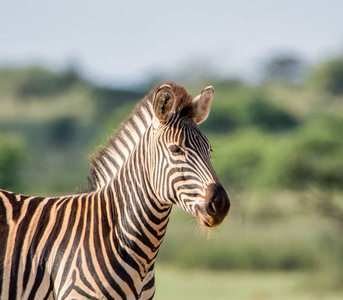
pixel 176 150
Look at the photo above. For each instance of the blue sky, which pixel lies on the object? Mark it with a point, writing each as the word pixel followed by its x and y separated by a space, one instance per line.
pixel 117 42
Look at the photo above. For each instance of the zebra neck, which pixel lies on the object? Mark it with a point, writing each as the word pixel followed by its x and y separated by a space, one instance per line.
pixel 106 165
pixel 141 221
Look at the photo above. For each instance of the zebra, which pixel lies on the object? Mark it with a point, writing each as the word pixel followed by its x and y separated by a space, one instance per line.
pixel 102 244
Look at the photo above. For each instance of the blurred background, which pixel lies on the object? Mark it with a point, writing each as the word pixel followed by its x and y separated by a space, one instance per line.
pixel 71 71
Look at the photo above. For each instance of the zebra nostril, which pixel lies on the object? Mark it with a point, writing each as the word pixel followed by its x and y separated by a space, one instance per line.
pixel 211 208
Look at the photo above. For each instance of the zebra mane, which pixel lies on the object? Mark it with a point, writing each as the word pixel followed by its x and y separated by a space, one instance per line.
pixel 106 164
pixel 109 160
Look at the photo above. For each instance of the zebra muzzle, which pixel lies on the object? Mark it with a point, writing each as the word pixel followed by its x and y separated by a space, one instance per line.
pixel 216 206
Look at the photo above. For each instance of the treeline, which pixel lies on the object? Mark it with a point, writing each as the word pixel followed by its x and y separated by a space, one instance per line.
pixel 49 124
pixel 283 133
pixel 262 143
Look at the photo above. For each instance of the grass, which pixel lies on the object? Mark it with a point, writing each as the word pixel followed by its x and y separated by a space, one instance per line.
pixel 174 283
pixel 280 238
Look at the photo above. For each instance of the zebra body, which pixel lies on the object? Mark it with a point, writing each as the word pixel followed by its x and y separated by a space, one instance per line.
pixel 103 244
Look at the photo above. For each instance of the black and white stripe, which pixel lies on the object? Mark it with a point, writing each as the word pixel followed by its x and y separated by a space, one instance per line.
pixel 103 244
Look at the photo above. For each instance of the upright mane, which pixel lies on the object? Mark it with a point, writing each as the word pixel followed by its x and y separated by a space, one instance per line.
pixel 106 164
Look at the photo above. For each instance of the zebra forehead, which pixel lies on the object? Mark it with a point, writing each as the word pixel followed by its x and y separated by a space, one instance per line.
pixel 185 130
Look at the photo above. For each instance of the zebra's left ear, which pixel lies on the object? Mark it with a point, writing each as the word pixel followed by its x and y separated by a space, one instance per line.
pixel 202 105
pixel 163 104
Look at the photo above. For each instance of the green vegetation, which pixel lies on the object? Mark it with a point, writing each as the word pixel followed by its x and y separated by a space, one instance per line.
pixel 59 118
pixel 242 107
pixel 175 283
pixel 277 149
pixel 328 77
pixel 11 158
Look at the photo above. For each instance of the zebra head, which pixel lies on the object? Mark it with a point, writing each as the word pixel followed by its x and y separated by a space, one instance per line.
pixel 180 171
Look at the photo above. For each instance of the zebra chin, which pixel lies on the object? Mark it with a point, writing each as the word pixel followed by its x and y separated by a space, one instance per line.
pixel 216 207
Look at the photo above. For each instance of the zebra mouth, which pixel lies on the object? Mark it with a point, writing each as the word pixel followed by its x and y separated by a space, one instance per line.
pixel 216 207
pixel 206 220
pixel 202 220
pixel 212 214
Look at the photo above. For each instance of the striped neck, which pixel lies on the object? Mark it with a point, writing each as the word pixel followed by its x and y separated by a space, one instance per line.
pixel 105 166
pixel 140 219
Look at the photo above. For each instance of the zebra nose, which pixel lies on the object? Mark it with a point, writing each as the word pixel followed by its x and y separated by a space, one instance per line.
pixel 217 203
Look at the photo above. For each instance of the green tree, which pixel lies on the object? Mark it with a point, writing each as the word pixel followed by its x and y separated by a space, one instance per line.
pixel 328 77
pixel 11 158
pixel 40 82
pixel 284 68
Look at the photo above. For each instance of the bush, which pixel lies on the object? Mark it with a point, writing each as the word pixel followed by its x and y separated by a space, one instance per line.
pixel 11 158
pixel 310 157
pixel 62 130
pixel 109 99
pixel 237 157
pixel 40 82
pixel 245 107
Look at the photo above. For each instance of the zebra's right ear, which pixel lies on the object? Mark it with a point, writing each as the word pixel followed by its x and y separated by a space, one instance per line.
pixel 163 104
